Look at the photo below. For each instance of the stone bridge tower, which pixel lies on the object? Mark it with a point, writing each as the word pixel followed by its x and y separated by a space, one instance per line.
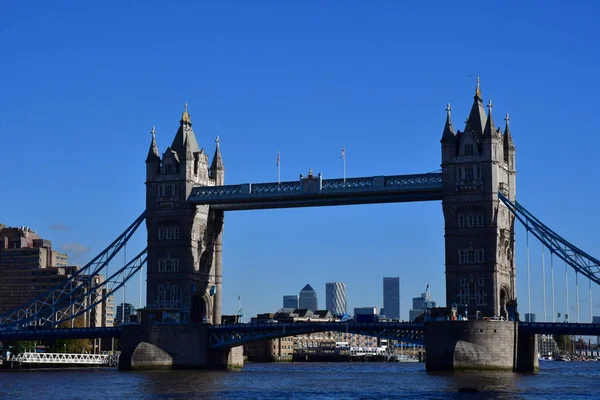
pixel 479 229
pixel 184 240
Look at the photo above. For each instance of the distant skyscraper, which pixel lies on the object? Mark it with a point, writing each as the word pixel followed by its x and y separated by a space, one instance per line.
pixel 129 311
pixel 290 301
pixel 335 297
pixel 308 298
pixel 420 304
pixel 391 297
pixel 529 317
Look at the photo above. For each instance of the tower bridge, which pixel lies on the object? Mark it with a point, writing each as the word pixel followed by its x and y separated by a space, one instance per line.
pixel 186 199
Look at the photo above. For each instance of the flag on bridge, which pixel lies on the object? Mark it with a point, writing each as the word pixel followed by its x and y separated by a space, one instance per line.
pixel 343 152
pixel 278 159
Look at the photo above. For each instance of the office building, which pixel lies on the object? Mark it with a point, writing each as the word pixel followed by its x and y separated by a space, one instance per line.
pixel 290 301
pixel 127 316
pixel 30 267
pixel 335 297
pixel 308 298
pixel 529 317
pixel 391 297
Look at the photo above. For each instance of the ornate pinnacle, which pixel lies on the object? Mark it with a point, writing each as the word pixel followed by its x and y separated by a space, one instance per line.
pixel 185 116
pixel 153 132
pixel 507 118
pixel 217 140
pixel 490 105
pixel 477 89
pixel 448 109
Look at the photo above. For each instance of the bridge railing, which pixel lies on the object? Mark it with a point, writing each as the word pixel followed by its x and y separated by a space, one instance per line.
pixel 208 194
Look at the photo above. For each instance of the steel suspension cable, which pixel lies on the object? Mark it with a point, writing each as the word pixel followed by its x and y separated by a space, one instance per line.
pixel 528 278
pixel 577 293
pixel 567 292
pixel 544 282
pixel 591 304
pixel 552 272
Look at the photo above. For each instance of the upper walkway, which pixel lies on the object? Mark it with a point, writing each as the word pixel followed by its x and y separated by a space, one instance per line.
pixel 313 191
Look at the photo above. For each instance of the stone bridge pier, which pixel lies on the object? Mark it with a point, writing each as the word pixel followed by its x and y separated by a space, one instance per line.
pixel 182 346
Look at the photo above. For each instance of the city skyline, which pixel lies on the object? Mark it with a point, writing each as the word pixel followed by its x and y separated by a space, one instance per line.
pixel 303 94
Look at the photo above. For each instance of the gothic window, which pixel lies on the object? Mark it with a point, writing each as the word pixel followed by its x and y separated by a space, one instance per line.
pixel 168 233
pixel 463 282
pixel 470 220
pixel 459 172
pixel 461 220
pixel 479 281
pixel 479 219
pixel 469 149
pixel 168 190
pixel 169 168
pixel 470 256
pixel 477 172
pixel 469 173
pixel 169 265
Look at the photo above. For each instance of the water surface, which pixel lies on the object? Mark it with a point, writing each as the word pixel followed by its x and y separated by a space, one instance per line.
pixel 564 380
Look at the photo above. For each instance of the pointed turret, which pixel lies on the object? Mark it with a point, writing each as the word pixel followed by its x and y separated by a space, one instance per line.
pixel 217 169
pixel 508 142
pixel 448 136
pixel 476 120
pixel 185 140
pixel 489 130
pixel 153 155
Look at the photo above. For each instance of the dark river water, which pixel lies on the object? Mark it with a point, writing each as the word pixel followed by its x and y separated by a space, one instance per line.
pixel 556 380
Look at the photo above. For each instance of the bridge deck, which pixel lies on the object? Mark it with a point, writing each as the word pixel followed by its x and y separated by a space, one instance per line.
pixel 315 191
pixel 66 333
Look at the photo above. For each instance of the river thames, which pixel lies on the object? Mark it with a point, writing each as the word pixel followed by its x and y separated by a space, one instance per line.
pixel 559 380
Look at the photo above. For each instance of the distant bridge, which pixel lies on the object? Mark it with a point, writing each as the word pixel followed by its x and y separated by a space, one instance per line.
pixel 232 335
pixel 66 333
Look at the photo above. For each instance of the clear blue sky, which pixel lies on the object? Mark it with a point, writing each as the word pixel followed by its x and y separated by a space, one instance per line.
pixel 82 84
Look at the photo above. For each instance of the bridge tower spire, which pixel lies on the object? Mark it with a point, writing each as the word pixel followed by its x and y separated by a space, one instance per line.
pixel 181 236
pixel 480 267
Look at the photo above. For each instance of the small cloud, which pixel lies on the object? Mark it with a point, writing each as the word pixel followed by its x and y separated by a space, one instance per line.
pixel 60 227
pixel 75 248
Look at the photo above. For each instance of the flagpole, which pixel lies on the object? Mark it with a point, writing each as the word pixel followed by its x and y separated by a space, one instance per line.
pixel 344 165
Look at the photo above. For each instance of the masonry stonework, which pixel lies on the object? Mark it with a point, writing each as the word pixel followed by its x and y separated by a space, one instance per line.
pixel 184 240
pixel 479 230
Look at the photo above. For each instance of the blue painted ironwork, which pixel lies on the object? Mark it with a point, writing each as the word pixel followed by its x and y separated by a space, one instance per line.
pixel 303 193
pixel 78 293
pixel 10 334
pixel 578 259
pixel 559 328
pixel 238 334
